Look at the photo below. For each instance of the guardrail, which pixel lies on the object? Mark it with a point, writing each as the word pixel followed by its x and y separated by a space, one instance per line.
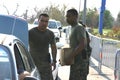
pixel 107 53
pixel 117 65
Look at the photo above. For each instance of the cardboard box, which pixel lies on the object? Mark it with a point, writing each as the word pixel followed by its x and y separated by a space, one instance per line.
pixel 65 53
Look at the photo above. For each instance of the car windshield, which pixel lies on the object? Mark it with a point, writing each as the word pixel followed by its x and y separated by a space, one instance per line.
pixel 59 24
pixel 5 68
pixel 36 22
pixel 52 25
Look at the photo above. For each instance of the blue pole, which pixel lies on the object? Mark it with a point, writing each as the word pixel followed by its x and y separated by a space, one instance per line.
pixel 101 16
pixel 100 30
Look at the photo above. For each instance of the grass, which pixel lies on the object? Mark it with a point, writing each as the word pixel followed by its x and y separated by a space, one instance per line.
pixel 105 31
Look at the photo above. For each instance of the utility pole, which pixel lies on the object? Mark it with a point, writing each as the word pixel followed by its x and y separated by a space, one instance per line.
pixel 79 10
pixel 84 13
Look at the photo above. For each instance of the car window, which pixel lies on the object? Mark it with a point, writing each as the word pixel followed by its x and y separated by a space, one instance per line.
pixel 19 61
pixel 5 64
pixel 25 58
pixel 36 22
pixel 58 23
pixel 52 25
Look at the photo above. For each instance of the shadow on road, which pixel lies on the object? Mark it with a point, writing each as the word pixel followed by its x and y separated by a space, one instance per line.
pixel 95 67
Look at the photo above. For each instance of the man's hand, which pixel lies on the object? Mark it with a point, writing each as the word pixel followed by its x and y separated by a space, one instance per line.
pixel 23 75
pixel 53 65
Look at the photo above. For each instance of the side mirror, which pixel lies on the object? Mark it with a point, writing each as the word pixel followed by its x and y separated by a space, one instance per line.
pixel 30 78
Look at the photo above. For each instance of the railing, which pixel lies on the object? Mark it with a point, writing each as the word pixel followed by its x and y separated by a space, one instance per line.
pixel 117 65
pixel 107 53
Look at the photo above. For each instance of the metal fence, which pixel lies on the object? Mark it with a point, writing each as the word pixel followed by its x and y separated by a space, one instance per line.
pixel 96 47
pixel 117 65
pixel 107 53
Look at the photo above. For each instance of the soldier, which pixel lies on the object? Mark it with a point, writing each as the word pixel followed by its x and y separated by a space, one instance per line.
pixel 77 40
pixel 39 40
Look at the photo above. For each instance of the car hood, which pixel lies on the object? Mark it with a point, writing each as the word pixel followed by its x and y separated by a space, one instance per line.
pixel 54 30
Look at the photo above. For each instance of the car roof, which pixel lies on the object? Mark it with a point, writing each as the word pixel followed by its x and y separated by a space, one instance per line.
pixel 14 26
pixel 52 20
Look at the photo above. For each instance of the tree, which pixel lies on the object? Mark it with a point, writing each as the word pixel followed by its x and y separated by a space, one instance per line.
pixel 6 9
pixel 14 13
pixel 107 20
pixel 56 13
pixel 53 11
pixel 117 22
pixel 91 17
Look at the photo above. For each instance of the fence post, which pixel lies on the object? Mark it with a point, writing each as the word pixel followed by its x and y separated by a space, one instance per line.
pixel 100 55
pixel 117 65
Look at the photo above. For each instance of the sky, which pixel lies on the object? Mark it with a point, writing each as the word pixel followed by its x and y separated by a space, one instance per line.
pixel 111 5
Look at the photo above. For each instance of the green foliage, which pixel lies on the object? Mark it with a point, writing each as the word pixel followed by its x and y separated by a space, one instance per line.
pixel 91 17
pixel 57 14
pixel 113 33
pixel 107 20
pixel 54 11
pixel 117 22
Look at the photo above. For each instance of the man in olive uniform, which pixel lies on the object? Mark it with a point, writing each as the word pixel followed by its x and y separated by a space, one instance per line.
pixel 40 38
pixel 78 70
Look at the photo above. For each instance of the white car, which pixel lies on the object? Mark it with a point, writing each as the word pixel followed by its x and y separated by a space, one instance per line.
pixel 55 26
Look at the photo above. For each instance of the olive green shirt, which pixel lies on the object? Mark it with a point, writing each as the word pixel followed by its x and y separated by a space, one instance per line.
pixel 77 33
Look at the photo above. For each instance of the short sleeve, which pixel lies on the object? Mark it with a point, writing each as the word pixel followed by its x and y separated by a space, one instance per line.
pixel 52 38
pixel 80 33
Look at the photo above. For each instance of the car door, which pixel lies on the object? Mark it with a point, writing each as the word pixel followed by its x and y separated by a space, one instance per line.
pixel 24 60
pixel 7 67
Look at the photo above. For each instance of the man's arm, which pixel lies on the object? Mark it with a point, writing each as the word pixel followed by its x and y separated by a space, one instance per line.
pixel 79 48
pixel 54 53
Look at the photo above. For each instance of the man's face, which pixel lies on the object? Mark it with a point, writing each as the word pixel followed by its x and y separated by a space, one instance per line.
pixel 43 23
pixel 69 18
